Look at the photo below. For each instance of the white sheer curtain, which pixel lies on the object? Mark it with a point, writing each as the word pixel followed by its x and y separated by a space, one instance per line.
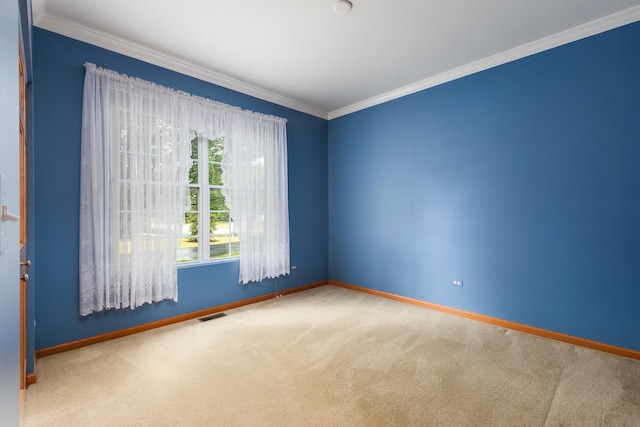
pixel 135 158
pixel 257 195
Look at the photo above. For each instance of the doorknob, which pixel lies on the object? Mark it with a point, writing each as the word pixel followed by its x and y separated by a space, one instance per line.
pixel 25 277
pixel 26 263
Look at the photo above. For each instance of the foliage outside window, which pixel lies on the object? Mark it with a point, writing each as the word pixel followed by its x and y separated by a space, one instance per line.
pixel 134 181
pixel 208 229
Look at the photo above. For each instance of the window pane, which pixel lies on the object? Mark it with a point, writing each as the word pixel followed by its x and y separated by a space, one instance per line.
pixel 216 149
pixel 219 248
pixel 219 245
pixel 215 174
pixel 216 200
pixel 188 243
pixel 222 219
pixel 194 148
pixel 193 173
pixel 223 241
pixel 205 175
pixel 219 225
pixel 193 198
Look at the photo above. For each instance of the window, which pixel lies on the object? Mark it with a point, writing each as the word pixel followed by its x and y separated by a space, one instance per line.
pixel 208 229
pixel 137 202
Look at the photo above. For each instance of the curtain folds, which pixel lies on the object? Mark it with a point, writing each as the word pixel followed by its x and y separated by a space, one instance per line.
pixel 255 173
pixel 136 141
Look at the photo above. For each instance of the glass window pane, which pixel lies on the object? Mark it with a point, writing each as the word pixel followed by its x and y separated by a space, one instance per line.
pixel 224 242
pixel 216 200
pixel 215 174
pixel 234 242
pixel 218 225
pixel 194 148
pixel 124 247
pixel 188 244
pixel 216 149
pixel 222 218
pixel 219 247
pixel 193 198
pixel 193 173
pixel 190 226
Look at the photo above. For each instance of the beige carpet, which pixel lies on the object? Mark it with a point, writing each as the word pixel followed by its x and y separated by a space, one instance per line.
pixel 334 357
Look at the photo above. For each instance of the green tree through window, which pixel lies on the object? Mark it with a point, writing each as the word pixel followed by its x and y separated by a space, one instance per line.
pixel 208 232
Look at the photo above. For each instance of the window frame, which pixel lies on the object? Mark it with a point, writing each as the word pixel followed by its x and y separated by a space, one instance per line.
pixel 204 211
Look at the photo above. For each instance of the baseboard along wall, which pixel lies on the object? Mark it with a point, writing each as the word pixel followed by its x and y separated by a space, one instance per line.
pixel 595 345
pixel 48 351
pixel 620 351
pixel 31 378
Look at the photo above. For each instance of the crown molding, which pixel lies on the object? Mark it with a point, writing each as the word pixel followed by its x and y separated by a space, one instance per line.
pixel 114 44
pixel 42 20
pixel 601 25
pixel 37 9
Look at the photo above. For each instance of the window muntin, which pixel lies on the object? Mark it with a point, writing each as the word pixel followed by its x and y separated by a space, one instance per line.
pixel 208 229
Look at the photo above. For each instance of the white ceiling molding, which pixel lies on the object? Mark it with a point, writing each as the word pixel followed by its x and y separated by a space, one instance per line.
pixel 75 31
pixel 601 25
pixel 37 10
pixel 123 47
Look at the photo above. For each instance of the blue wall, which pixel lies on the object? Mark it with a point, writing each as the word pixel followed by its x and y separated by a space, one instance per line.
pixel 9 258
pixel 58 79
pixel 523 181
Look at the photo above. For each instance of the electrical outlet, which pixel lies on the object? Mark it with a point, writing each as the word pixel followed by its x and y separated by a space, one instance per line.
pixel 457 283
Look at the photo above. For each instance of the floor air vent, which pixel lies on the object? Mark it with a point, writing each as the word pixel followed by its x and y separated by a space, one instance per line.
pixel 213 316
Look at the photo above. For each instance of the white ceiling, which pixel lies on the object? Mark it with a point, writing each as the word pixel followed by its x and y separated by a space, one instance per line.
pixel 300 54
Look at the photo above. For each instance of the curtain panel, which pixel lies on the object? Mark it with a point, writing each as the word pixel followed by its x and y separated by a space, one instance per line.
pixel 136 142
